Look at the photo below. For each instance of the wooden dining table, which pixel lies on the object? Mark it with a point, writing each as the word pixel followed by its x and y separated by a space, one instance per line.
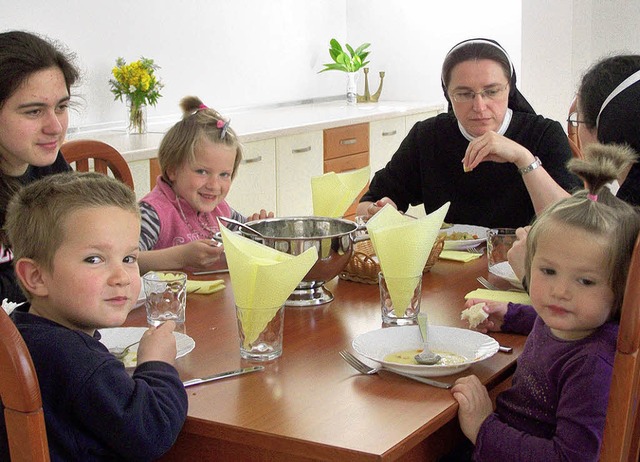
pixel 311 405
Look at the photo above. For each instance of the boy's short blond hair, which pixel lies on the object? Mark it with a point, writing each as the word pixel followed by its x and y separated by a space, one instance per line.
pixel 37 213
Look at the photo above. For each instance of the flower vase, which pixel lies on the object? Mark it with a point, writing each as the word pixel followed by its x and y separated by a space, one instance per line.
pixel 352 88
pixel 136 118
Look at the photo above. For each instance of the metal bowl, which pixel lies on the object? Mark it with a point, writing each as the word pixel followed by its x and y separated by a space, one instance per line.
pixel 333 237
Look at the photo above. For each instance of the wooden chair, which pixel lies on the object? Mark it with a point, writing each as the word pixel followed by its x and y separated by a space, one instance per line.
pixel 105 158
pixel 20 394
pixel 622 429
pixel 572 133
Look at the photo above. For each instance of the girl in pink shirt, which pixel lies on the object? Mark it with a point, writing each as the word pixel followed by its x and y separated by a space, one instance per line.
pixel 199 157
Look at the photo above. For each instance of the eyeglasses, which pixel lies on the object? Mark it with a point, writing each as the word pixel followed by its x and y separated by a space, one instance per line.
pixel 487 93
pixel 574 121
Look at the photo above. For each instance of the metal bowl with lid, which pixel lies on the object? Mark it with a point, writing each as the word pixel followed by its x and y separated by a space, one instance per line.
pixel 332 237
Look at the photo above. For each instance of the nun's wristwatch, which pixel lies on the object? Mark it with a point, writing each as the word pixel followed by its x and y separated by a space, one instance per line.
pixel 532 166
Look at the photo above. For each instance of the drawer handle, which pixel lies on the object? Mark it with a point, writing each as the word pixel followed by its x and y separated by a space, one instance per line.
pixel 252 160
pixel 391 133
pixel 349 141
pixel 301 150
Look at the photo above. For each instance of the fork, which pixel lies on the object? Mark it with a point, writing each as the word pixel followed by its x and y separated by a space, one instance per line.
pixel 486 283
pixel 474 250
pixel 368 370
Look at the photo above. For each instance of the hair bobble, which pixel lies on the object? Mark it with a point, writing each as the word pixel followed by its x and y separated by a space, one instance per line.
pixel 203 106
pixel 224 125
pixel 592 197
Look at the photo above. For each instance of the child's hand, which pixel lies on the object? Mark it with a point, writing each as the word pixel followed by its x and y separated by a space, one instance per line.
pixel 158 344
pixel 475 405
pixel 201 255
pixel 518 251
pixel 496 312
pixel 261 215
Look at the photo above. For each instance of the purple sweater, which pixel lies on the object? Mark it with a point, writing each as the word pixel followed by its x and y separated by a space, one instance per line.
pixel 556 407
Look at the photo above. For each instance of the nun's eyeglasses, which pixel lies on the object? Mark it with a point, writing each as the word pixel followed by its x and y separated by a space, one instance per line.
pixel 573 119
pixel 487 93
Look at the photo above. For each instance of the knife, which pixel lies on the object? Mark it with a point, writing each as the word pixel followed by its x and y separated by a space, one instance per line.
pixel 222 375
pixel 433 383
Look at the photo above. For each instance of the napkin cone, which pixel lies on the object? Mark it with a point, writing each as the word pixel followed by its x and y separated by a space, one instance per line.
pixel 333 193
pixel 403 245
pixel 262 279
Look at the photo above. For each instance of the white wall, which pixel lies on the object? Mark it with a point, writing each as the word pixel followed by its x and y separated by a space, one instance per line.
pixel 251 52
pixel 410 38
pixel 230 53
pixel 561 39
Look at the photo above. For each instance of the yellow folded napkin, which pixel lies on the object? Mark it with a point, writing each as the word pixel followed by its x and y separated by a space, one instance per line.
pixel 500 296
pixel 459 255
pixel 204 287
pixel 333 193
pixel 262 279
pixel 403 245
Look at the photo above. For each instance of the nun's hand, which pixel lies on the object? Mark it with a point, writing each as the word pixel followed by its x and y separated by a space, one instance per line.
pixel 495 148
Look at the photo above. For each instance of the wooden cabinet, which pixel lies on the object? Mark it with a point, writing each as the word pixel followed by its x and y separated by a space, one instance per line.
pixel 254 186
pixel 298 159
pixel 347 148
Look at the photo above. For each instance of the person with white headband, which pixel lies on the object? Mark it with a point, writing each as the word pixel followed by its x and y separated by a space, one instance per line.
pixel 608 112
pixel 491 156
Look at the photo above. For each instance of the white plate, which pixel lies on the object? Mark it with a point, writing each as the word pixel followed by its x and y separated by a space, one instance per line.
pixel 480 231
pixel 504 270
pixel 470 344
pixel 120 337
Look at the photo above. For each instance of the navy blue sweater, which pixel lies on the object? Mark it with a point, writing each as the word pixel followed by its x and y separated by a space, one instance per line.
pixel 93 409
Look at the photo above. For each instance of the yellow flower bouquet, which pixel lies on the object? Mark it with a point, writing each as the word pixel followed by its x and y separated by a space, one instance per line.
pixel 137 83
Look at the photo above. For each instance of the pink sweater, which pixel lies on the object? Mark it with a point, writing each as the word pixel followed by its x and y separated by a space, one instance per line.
pixel 173 229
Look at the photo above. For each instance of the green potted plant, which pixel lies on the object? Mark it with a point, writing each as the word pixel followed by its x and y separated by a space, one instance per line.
pixel 349 62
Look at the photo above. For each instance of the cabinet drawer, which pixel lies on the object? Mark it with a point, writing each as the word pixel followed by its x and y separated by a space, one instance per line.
pixel 346 163
pixel 343 141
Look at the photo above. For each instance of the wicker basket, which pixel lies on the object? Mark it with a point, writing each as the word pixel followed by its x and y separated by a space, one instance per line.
pixel 362 267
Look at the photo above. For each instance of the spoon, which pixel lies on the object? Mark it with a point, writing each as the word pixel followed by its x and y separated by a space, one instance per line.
pixel 121 353
pixel 243 226
pixel 427 357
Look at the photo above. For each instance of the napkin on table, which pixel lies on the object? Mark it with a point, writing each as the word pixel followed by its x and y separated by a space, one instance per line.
pixel 403 245
pixel 500 296
pixel 204 287
pixel 459 255
pixel 333 193
pixel 262 279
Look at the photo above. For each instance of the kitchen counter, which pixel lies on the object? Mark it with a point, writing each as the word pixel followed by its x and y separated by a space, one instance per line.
pixel 260 123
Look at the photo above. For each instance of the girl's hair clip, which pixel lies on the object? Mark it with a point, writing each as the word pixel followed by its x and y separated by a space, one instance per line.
pixel 224 125
pixel 592 197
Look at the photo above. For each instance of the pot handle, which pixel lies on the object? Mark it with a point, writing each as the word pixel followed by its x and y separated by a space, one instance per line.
pixel 361 237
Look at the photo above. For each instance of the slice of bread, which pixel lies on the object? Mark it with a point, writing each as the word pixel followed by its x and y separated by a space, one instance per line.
pixel 474 314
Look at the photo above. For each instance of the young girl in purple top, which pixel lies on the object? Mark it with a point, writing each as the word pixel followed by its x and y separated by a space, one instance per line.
pixel 199 157
pixel 578 255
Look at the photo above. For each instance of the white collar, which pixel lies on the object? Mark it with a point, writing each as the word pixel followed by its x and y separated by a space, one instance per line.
pixel 501 131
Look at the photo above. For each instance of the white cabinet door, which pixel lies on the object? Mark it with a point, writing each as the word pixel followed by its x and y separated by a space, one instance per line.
pixel 385 137
pixel 411 120
pixel 299 158
pixel 254 186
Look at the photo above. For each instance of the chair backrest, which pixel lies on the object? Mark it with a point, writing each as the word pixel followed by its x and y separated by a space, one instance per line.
pixel 20 394
pixel 105 158
pixel 572 133
pixel 622 429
